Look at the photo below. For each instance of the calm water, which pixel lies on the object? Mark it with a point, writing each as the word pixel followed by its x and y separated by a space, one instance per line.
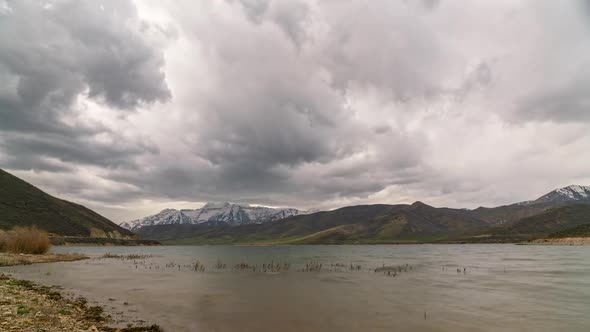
pixel 504 287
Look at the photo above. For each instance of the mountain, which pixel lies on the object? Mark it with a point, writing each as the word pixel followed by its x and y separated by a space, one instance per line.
pixel 166 216
pixel 215 214
pixel 508 214
pixel 22 204
pixel 573 193
pixel 551 221
pixel 560 209
pixel 417 222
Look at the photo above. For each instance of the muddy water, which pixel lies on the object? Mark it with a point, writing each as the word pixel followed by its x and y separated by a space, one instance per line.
pixel 440 288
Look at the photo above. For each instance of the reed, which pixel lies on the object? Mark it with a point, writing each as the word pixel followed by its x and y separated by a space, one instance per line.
pixel 25 240
pixel 198 267
pixel 220 265
pixel 126 257
pixel 393 271
pixel 313 266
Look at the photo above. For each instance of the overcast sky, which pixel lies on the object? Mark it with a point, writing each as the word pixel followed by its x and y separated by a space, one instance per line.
pixel 129 107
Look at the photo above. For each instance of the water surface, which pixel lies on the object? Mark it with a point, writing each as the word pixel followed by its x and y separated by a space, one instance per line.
pixel 447 288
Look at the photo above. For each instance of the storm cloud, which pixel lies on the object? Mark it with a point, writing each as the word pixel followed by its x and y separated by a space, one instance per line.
pixel 129 107
pixel 57 54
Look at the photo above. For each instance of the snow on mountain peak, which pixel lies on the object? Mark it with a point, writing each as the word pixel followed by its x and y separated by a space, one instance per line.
pixel 566 194
pixel 574 191
pixel 580 190
pixel 215 213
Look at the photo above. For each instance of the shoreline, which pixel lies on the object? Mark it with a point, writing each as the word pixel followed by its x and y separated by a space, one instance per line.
pixel 99 241
pixel 28 306
pixel 564 241
pixel 7 259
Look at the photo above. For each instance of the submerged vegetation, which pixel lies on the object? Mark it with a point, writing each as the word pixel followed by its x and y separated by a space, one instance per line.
pixel 394 271
pixel 138 261
pixel 126 257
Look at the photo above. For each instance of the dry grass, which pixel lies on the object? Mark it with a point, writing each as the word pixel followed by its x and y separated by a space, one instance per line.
pixel 25 240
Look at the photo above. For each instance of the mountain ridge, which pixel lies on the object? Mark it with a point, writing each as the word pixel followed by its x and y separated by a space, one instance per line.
pixel 381 223
pixel 237 214
pixel 215 214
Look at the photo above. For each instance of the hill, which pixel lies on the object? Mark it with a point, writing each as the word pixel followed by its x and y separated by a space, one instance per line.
pixel 355 224
pixel 22 204
pixel 578 231
pixel 508 214
pixel 554 220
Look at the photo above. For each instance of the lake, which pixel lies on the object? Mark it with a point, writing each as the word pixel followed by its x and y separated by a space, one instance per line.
pixel 429 287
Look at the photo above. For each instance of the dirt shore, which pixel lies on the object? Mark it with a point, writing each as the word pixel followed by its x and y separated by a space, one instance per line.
pixel 26 306
pixel 7 259
pixel 565 241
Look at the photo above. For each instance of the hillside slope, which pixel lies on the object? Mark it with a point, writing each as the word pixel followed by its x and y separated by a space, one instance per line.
pixel 552 221
pixel 578 231
pixel 22 204
pixel 509 214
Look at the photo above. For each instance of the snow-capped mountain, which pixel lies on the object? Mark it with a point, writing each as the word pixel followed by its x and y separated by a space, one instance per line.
pixel 216 213
pixel 566 194
pixel 166 216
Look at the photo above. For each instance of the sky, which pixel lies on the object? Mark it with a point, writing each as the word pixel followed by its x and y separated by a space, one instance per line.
pixel 130 107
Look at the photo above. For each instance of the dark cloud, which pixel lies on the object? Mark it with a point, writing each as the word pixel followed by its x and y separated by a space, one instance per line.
pixel 81 46
pixel 82 149
pixel 303 103
pixel 55 53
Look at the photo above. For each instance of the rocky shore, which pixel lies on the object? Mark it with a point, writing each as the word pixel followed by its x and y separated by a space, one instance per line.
pixel 26 306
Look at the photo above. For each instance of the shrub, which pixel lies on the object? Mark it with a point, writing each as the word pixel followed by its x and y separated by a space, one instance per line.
pixel 22 310
pixel 3 241
pixel 27 240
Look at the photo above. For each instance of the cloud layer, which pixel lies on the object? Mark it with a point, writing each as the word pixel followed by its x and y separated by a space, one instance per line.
pixel 130 107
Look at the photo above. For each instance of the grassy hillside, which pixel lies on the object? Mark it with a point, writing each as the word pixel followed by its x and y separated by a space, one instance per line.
pixel 509 214
pixel 578 231
pixel 22 204
pixel 551 221
pixel 356 224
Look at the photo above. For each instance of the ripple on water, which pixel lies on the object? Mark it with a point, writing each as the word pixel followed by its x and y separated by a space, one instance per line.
pixel 504 287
